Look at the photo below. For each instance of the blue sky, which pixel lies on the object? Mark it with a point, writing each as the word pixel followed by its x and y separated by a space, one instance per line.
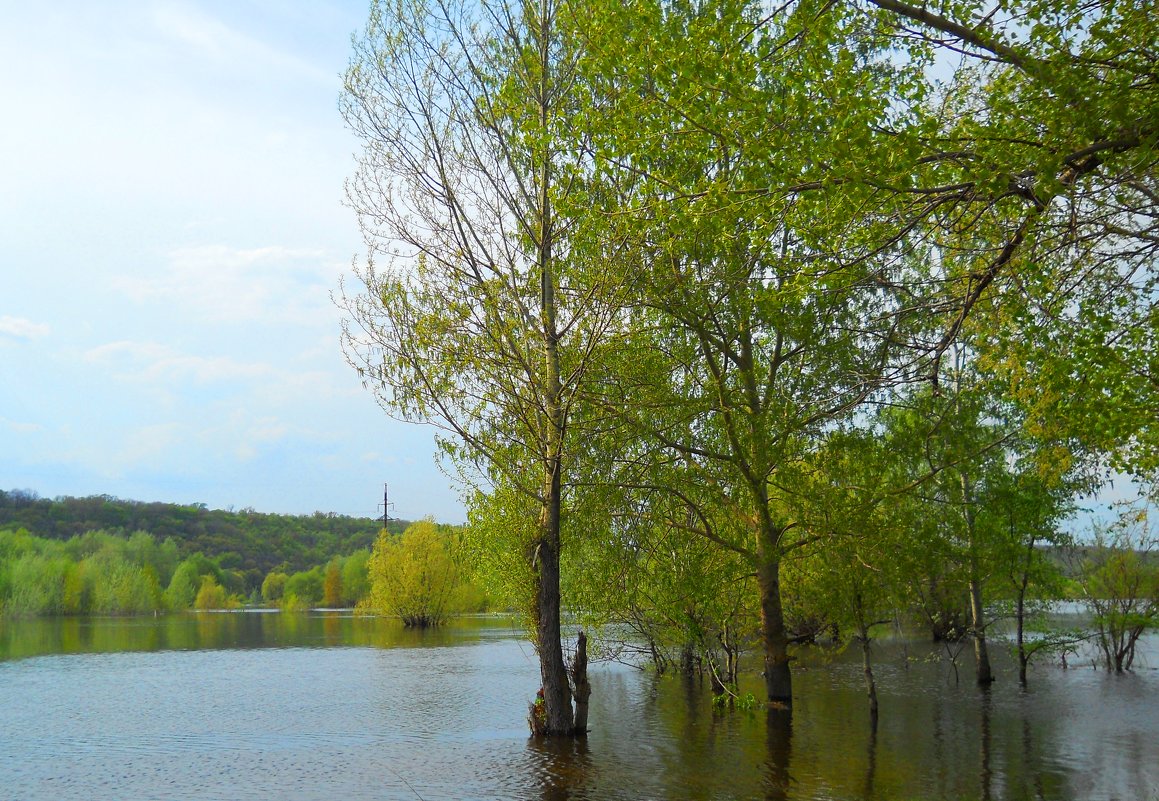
pixel 171 228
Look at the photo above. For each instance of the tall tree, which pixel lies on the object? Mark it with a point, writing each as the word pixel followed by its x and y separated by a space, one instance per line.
pixel 414 575
pixel 851 577
pixel 1120 582
pixel 476 316
pixel 746 338
pixel 1036 173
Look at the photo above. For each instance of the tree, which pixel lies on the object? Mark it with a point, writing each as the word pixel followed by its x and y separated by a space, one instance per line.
pixel 274 586
pixel 477 316
pixel 656 593
pixel 745 338
pixel 304 589
pixel 1120 582
pixel 1035 176
pixel 211 595
pixel 1033 503
pixel 852 574
pixel 414 575
pixel 355 577
pixel 332 593
pixel 187 581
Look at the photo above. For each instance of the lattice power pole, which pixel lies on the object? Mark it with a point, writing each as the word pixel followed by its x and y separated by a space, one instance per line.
pixel 385 504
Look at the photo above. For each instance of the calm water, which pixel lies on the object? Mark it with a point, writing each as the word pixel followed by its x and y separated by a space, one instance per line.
pixel 326 706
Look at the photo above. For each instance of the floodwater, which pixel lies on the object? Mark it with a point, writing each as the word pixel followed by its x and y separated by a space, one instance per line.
pixel 328 706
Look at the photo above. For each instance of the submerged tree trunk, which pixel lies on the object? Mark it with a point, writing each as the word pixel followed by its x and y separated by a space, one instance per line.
pixel 977 610
pixel 1020 615
pixel 731 654
pixel 688 659
pixel 778 677
pixel 978 623
pixel 553 670
pixel 545 560
pixel 866 663
pixel 583 688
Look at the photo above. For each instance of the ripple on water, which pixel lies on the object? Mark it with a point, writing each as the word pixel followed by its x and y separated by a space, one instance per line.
pixel 443 718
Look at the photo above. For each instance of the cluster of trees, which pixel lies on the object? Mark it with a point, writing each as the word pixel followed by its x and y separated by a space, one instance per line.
pixel 721 306
pixel 423 575
pixel 341 583
pixel 105 573
pixel 252 543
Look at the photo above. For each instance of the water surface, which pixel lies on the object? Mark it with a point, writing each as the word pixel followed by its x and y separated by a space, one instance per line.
pixel 328 706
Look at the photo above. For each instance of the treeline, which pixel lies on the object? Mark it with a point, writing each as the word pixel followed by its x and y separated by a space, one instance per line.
pixel 108 574
pixel 419 575
pixel 249 542
pixel 714 295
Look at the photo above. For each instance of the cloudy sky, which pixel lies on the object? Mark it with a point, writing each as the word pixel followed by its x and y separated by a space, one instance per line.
pixel 171 228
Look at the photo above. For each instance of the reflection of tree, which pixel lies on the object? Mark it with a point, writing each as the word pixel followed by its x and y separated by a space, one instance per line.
pixel 332 628
pixel 778 742
pixel 562 766
pixel 1029 759
pixel 214 629
pixel 986 774
pixel 871 761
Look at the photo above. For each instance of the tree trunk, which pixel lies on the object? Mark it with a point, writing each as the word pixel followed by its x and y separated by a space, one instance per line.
pixel 867 669
pixel 778 677
pixel 552 668
pixel 583 688
pixel 978 621
pixel 977 610
pixel 1023 656
pixel 687 659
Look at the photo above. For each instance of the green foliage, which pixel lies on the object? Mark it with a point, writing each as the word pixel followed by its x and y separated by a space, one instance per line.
pixel 248 542
pixel 182 589
pixel 1120 582
pixel 418 576
pixel 274 586
pixel 355 577
pixel 211 595
pixel 730 699
pixel 797 221
pixel 304 589
pixel 501 531
pixel 661 592
pixel 98 573
pixel 332 592
pixel 101 572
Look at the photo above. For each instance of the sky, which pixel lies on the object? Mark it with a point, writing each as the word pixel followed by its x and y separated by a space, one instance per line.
pixel 171 230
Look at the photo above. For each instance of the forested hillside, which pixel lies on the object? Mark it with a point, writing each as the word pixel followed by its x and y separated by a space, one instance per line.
pixel 250 542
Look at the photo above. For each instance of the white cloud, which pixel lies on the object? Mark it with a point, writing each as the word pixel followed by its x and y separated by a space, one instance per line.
pixel 245 285
pixel 149 444
pixel 150 361
pixel 251 435
pixel 217 42
pixel 20 328
pixel 21 427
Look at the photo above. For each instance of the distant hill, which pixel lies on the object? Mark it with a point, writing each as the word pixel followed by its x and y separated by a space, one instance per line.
pixel 251 542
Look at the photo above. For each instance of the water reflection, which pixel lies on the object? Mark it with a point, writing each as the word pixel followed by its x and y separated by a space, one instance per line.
pixel 563 768
pixel 22 638
pixel 871 761
pixel 779 745
pixel 984 775
pixel 305 706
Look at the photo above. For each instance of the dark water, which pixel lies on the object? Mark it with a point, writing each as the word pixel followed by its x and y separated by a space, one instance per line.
pixel 326 706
